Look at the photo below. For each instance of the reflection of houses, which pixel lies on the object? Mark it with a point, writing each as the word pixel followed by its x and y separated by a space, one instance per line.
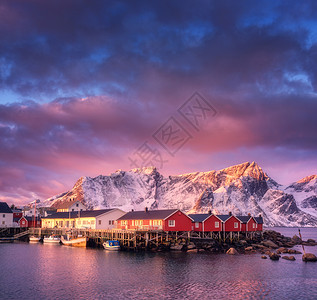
pixel 166 219
pixel 6 215
pixel 26 221
pixel 90 219
pixel 70 206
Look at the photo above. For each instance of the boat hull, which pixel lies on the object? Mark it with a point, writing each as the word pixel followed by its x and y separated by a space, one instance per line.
pixel 77 242
pixel 34 239
pixel 52 241
pixel 111 247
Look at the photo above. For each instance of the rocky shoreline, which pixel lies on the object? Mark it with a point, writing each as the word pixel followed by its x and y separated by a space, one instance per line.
pixel 271 244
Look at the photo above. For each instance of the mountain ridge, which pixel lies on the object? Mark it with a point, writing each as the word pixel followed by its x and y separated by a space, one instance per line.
pixel 241 189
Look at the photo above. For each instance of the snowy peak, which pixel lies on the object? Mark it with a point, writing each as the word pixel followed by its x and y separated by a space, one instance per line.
pixel 243 188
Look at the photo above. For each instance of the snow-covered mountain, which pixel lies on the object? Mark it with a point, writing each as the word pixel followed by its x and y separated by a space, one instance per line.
pixel 241 189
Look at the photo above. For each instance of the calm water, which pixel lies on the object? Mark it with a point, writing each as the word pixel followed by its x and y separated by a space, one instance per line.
pixel 36 271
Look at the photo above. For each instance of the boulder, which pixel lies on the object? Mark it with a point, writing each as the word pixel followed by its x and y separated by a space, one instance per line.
pixel 309 257
pixel 296 239
pixel 248 248
pixel 232 251
pixel 264 257
pixel 288 257
pixel 311 241
pixel 270 244
pixel 177 247
pixel 281 250
pixel 274 256
pixel 293 251
pixel 191 246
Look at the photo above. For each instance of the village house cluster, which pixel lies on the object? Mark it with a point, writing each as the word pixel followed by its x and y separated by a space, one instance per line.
pixel 73 214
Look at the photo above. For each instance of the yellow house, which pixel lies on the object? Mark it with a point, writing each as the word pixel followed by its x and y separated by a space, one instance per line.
pixel 89 219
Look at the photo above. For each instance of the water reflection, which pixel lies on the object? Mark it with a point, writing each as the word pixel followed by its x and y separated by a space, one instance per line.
pixel 57 272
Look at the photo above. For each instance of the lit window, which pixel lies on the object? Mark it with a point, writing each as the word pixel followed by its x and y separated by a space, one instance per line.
pixel 253 225
pixel 235 224
pixel 216 224
pixel 171 223
pixel 196 225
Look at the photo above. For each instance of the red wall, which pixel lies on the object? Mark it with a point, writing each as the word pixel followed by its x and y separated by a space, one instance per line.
pixel 209 224
pixel 23 222
pixel 229 224
pixel 260 227
pixel 200 228
pixel 250 225
pixel 182 222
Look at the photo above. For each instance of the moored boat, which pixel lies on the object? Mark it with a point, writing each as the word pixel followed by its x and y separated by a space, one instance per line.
pixel 74 241
pixel 34 239
pixel 52 240
pixel 111 245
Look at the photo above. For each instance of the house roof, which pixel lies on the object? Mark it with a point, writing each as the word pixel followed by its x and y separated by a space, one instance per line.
pixel 4 208
pixel 76 214
pixel 66 204
pixel 259 220
pixel 31 219
pixel 223 218
pixel 161 214
pixel 199 217
pixel 244 219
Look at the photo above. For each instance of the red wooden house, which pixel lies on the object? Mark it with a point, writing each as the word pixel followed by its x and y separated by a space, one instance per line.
pixel 248 223
pixel 259 221
pixel 165 219
pixel 30 222
pixel 206 222
pixel 230 223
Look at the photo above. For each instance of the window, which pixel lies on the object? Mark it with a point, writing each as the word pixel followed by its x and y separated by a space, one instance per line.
pixel 171 223
pixel 3 222
pixel 235 224
pixel 112 222
pixel 4 215
pixel 216 224
pixel 109 222
pixel 196 225
pixel 253 225
pixel 72 209
pixel 76 204
pixel 99 222
pixel 92 222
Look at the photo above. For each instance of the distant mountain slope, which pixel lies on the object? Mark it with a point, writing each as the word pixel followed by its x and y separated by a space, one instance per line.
pixel 241 189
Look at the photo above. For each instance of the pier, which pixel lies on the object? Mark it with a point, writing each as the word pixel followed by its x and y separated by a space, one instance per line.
pixel 143 239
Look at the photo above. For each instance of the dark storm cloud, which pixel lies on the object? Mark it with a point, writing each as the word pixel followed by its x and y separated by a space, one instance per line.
pixel 95 79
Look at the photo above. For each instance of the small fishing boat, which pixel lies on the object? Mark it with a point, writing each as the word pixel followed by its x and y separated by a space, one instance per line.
pixel 111 245
pixel 34 239
pixel 79 241
pixel 52 240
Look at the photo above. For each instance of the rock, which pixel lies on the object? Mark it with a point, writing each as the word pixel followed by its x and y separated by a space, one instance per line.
pixel 281 250
pixel 243 242
pixel 311 241
pixel 274 256
pixel 288 257
pixel 248 248
pixel 296 239
pixel 264 257
pixel 270 244
pixel 232 251
pixel 177 247
pixel 309 257
pixel 293 251
pixel 191 246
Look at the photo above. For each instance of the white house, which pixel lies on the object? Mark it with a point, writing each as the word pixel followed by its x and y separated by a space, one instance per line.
pixel 90 219
pixel 6 215
pixel 70 206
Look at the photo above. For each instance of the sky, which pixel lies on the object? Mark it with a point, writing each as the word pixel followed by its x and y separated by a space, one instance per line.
pixel 90 87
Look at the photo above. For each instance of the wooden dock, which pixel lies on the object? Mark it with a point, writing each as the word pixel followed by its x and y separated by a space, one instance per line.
pixel 142 239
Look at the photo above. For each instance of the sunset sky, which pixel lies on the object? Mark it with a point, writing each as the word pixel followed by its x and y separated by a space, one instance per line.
pixel 89 87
